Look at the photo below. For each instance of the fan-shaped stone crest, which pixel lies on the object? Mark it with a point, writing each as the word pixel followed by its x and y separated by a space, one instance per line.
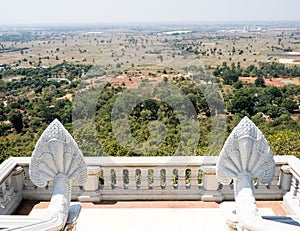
pixel 246 150
pixel 55 153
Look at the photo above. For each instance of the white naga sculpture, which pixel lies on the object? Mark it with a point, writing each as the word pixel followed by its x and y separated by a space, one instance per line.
pixel 247 155
pixel 57 157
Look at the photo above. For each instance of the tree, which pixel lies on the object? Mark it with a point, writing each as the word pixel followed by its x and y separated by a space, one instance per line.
pixel 285 143
pixel 289 105
pixel 260 82
pixel 243 101
pixel 146 114
pixel 238 85
pixel 2 112
pixel 230 77
pixel 274 111
pixel 16 119
pixel 274 92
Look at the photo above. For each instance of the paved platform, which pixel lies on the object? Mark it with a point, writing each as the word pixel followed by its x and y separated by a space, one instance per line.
pixel 164 219
pixel 153 215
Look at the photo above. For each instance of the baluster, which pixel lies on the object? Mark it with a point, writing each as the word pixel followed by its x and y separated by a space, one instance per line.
pixel 144 178
pixel 156 178
pixel 169 178
pixel 28 183
pixel 119 178
pixel 194 178
pixel 9 187
pixel 107 179
pixel 275 181
pixel 295 186
pixel 18 179
pixel 132 178
pixel 285 178
pixel 181 178
pixel 298 194
pixel 2 197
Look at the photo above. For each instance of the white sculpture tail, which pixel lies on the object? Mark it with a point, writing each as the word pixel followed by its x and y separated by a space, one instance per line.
pixel 247 155
pixel 57 157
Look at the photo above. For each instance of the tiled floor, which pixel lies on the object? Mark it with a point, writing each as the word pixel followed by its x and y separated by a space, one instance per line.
pixel 27 206
pixel 151 215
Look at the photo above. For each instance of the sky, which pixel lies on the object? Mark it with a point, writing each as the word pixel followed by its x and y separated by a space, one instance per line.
pixel 141 11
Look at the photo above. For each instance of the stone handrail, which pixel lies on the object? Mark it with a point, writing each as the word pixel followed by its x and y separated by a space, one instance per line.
pixel 209 189
pixel 11 185
pixel 57 163
pixel 203 187
pixel 292 173
pixel 57 171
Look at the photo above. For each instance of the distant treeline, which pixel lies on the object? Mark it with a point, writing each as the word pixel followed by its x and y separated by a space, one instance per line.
pixel 231 73
pixel 12 49
pixel 61 70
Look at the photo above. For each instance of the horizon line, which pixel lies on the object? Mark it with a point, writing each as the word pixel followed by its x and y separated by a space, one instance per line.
pixel 212 22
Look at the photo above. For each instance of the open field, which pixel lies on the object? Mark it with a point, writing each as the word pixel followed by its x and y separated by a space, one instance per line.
pixel 277 82
pixel 124 48
pixel 290 61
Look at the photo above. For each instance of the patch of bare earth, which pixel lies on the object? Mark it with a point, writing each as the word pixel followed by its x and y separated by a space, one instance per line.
pixel 277 82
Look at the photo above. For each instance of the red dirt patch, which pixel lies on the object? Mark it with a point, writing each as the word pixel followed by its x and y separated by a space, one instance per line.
pixel 277 82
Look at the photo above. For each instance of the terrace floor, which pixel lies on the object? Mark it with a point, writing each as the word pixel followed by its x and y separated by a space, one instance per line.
pixel 152 215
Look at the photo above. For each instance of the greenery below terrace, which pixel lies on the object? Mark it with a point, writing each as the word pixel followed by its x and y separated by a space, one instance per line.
pixel 31 102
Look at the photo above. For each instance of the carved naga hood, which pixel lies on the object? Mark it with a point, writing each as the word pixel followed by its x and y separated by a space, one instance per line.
pixel 246 151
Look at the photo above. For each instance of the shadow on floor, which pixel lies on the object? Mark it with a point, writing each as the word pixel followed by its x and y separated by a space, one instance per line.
pixel 282 219
pixel 25 207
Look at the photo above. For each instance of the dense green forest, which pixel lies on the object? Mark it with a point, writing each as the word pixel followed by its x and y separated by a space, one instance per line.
pixel 173 118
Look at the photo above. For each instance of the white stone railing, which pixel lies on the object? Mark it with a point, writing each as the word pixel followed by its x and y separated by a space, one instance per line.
pixel 245 166
pixel 292 174
pixel 146 178
pixel 11 185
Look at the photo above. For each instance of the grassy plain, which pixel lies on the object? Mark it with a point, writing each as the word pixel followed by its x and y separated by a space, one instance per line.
pixel 122 49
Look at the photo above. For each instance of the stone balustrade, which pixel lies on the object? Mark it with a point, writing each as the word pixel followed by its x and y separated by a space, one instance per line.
pixel 291 173
pixel 11 186
pixel 57 171
pixel 147 178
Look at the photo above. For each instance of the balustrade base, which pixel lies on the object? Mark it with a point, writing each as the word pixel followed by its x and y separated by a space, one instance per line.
pixel 291 203
pixel 212 196
pixel 13 204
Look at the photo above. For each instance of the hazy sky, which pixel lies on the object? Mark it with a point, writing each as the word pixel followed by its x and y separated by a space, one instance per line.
pixel 99 11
